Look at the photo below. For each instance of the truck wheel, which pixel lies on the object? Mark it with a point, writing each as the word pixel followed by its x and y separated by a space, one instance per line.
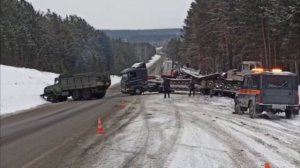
pixel 62 98
pixel 86 94
pixel 52 98
pixel 76 95
pixel 237 109
pixel 289 114
pixel 138 91
pixel 252 110
pixel 100 95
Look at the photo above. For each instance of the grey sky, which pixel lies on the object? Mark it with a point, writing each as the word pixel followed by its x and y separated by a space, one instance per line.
pixel 121 14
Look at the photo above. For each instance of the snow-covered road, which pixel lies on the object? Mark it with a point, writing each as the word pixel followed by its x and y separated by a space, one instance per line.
pixel 193 132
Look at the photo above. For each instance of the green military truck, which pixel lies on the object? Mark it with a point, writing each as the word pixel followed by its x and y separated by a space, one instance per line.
pixel 80 86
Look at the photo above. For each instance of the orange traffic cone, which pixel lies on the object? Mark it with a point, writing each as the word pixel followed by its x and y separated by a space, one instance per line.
pixel 100 129
pixel 267 165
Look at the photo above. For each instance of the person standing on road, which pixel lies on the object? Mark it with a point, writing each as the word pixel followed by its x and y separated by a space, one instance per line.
pixel 192 87
pixel 167 88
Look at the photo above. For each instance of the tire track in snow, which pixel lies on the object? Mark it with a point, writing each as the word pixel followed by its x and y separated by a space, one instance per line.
pixel 156 157
pixel 87 153
pixel 257 132
pixel 166 148
pixel 281 135
pixel 237 149
pixel 138 157
pixel 290 139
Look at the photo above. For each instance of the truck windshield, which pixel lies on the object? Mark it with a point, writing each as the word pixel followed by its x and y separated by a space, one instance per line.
pixel 277 82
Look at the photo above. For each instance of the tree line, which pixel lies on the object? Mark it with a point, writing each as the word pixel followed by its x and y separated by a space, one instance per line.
pixel 48 42
pixel 219 34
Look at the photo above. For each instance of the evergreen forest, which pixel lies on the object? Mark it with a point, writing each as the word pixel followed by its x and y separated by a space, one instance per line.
pixel 219 34
pixel 49 42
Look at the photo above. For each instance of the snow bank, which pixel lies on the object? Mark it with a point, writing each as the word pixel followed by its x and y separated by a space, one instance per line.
pixel 153 60
pixel 21 87
pixel 115 79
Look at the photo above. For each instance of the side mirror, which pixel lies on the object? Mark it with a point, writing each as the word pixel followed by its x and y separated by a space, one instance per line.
pixel 56 80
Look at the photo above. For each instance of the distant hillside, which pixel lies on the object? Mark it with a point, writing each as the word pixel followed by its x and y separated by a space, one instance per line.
pixel 156 37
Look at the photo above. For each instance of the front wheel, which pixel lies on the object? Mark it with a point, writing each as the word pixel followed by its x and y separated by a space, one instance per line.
pixel 138 91
pixel 252 110
pixel 52 99
pixel 76 95
pixel 237 108
pixel 100 95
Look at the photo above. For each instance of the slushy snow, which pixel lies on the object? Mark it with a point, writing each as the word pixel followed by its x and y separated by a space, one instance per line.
pixel 193 132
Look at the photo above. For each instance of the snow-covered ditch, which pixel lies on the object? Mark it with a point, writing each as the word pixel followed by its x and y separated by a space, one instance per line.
pixel 21 88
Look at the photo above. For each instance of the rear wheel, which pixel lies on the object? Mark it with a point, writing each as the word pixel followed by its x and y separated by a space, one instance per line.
pixel 87 94
pixel 289 114
pixel 76 95
pixel 252 110
pixel 100 95
pixel 138 91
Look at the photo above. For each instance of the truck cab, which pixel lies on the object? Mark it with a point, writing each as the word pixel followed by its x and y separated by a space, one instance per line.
pixel 246 67
pixel 268 91
pixel 135 80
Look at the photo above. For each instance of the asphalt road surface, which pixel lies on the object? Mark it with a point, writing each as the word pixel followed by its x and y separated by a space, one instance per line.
pixel 41 137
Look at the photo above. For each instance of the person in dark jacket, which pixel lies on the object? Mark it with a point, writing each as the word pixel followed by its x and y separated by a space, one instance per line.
pixel 167 87
pixel 192 87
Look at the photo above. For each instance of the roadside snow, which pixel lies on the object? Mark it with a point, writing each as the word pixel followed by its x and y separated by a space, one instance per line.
pixel 115 79
pixel 21 88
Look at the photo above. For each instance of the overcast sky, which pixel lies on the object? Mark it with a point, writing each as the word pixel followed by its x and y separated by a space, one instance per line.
pixel 121 14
